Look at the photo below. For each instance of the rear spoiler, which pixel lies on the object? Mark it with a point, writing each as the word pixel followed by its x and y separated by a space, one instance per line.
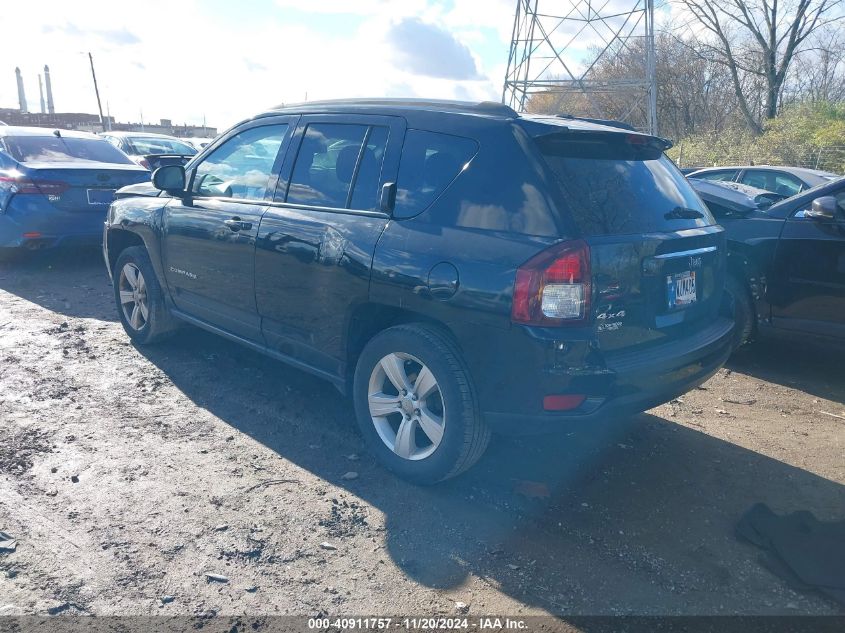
pixel 613 130
pixel 607 122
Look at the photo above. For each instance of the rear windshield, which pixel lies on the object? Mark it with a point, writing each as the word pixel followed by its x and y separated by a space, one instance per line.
pixel 55 149
pixel 615 187
pixel 142 146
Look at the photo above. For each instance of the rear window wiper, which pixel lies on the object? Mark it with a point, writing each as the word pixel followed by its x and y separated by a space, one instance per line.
pixel 683 213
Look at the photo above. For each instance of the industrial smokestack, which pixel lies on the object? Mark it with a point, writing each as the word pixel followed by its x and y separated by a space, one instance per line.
pixel 21 95
pixel 41 94
pixel 50 107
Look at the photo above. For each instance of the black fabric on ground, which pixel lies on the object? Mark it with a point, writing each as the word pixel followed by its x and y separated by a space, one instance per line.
pixel 808 553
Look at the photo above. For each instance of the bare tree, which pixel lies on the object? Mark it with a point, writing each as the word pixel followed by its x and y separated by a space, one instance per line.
pixel 818 74
pixel 758 39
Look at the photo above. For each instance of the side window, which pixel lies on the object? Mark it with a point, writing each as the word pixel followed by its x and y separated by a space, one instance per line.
pixel 365 194
pixel 241 167
pixel 430 162
pixel 338 165
pixel 720 176
pixel 787 185
pixel 840 203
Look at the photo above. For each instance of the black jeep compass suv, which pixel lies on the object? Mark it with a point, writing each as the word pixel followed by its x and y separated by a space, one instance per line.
pixel 457 268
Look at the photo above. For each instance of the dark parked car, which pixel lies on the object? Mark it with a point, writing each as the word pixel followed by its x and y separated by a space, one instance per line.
pixel 787 181
pixel 457 268
pixel 56 185
pixel 151 150
pixel 786 261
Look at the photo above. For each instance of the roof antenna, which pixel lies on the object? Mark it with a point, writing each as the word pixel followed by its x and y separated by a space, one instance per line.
pixel 57 134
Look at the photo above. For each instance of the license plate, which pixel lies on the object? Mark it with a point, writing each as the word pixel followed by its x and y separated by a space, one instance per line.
pixel 681 289
pixel 100 196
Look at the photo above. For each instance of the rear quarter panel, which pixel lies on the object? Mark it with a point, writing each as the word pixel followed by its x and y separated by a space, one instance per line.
pixel 496 215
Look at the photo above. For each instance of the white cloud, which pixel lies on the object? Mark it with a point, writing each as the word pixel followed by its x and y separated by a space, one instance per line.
pixel 182 61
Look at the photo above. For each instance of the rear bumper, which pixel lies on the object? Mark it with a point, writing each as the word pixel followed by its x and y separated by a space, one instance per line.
pixel 626 384
pixel 28 225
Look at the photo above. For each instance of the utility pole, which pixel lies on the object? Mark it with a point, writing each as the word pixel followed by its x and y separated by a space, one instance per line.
pixel 97 91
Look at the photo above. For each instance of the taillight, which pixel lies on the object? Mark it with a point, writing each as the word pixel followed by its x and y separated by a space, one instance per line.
pixel 553 287
pixel 22 185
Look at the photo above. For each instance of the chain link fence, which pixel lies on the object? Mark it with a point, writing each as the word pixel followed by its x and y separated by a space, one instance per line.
pixel 828 158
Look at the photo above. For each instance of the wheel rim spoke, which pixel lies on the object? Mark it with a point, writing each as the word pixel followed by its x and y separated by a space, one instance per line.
pixel 131 276
pixel 126 296
pixel 394 369
pixel 425 383
pixel 135 320
pixel 405 445
pixel 432 426
pixel 382 404
pixel 144 310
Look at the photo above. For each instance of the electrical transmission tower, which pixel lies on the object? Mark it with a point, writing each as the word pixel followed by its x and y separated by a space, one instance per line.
pixel 546 47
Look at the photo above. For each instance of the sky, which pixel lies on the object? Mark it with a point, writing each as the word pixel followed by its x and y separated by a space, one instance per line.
pixel 224 60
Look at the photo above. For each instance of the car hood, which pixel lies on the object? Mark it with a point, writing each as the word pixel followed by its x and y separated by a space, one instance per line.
pixel 145 189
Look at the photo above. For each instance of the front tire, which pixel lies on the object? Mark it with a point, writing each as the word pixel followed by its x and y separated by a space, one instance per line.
pixel 416 406
pixel 139 298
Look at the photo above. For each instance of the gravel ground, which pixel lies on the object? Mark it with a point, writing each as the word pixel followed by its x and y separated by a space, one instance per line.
pixel 127 475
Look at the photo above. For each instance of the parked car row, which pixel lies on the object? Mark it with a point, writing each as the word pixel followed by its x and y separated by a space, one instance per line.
pixel 460 269
pixel 55 185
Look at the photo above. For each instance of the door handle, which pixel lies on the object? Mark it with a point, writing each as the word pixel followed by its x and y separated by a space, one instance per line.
pixel 236 224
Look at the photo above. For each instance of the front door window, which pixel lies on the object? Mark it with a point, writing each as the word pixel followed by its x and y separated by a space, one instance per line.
pixel 240 168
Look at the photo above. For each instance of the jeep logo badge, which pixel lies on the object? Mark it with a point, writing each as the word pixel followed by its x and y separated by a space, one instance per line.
pixel 103 177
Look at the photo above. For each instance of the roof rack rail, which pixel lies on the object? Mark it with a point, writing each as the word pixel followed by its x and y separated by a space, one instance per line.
pixel 608 122
pixel 482 107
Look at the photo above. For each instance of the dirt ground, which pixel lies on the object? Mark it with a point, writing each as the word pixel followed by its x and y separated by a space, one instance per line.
pixel 127 475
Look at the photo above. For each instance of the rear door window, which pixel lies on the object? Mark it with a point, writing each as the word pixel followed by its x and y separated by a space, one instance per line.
pixel 612 186
pixel 338 166
pixel 430 162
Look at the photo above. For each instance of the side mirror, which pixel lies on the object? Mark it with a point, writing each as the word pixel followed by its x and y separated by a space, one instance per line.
pixel 388 197
pixel 170 179
pixel 823 208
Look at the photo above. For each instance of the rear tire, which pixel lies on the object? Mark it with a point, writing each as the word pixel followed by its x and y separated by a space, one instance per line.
pixel 139 298
pixel 745 321
pixel 433 433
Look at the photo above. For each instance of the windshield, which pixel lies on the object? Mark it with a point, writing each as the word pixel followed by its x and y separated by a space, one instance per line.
pixel 613 186
pixel 55 149
pixel 141 145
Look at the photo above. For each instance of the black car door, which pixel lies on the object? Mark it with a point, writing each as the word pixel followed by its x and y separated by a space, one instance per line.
pixel 208 238
pixel 808 282
pixel 316 240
